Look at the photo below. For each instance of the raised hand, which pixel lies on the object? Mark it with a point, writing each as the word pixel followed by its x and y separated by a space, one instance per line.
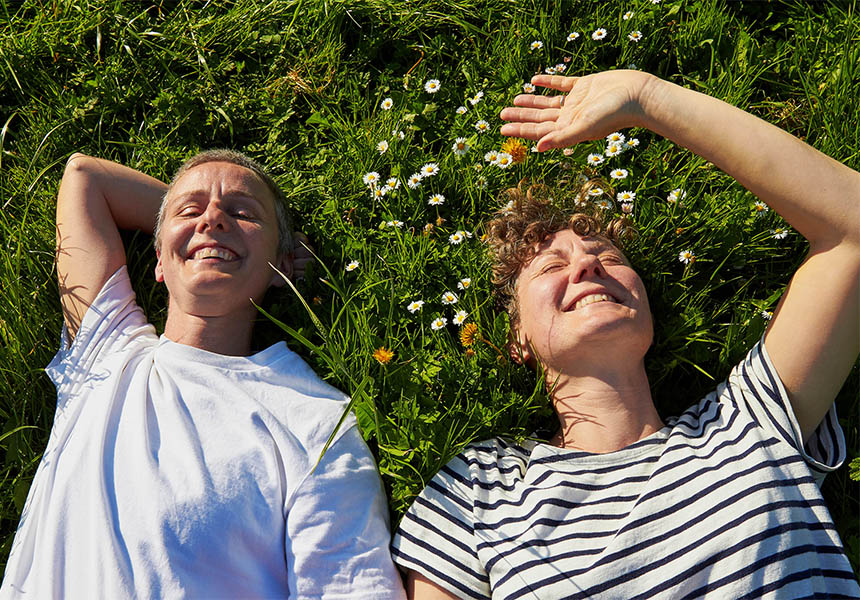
pixel 593 107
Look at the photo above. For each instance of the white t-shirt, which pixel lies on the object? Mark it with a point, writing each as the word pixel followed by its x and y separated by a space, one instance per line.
pixel 722 502
pixel 176 472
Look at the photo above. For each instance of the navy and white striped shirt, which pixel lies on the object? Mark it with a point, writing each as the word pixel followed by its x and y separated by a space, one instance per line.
pixel 722 502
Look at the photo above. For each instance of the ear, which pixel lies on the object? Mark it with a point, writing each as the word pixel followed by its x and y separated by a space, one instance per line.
pixel 159 270
pixel 285 266
pixel 518 350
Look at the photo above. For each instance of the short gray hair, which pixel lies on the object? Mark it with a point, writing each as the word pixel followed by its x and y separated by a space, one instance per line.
pixel 285 224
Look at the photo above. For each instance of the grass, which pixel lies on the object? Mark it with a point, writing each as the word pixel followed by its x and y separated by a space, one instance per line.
pixel 299 85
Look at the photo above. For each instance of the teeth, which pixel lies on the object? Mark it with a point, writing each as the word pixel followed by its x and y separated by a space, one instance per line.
pixel 592 299
pixel 212 252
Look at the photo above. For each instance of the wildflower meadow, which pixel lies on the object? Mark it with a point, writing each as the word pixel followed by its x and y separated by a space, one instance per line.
pixel 379 118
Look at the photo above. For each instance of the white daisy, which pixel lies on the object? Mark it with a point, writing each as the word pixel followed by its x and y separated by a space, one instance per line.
pixel 628 15
pixel 594 159
pixel 429 169
pixel 560 68
pixel 528 88
pixel 598 34
pixel 634 36
pixel 614 149
pixel 572 36
pixel 536 45
pixel 395 223
pixel 387 104
pixel 414 181
pixel 676 195
pixel 567 151
pixel 626 196
pixel 766 315
pixel 392 184
pixel 464 283
pixel 371 179
pixel 627 207
pixel 379 192
pixel 491 157
pixel 779 233
pixel 686 257
pixel 482 126
pixel 351 266
pixel 595 191
pixel 449 298
pixel 459 317
pixel 456 238
pixel 415 306
pixel 481 182
pixel 760 207
pixel 604 204
pixel 461 110
pixel 438 323
pixel 504 160
pixel 615 137
pixel 549 70
pixel 655 1
pixel 461 146
pixel 382 147
pixel 436 200
pixel 632 142
pixel 432 86
pixel 476 98
pixel 618 174
pixel 398 134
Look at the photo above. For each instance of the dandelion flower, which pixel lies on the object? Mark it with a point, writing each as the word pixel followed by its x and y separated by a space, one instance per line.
pixel 460 317
pixel 387 104
pixel 594 159
pixel 779 233
pixel 461 110
pixel 351 266
pixel 456 238
pixel 392 184
pixel 516 148
pixel 528 88
pixel 414 181
pixel 536 45
pixel 429 169
pixel 449 298
pixel 628 15
pixel 469 334
pixel 504 160
pixel 687 256
pixel 572 36
pixel 438 323
pixel 598 34
pixel 436 200
pixel 626 196
pixel 476 98
pixel 415 306
pixel 383 355
pixel 615 137
pixel 382 147
pixel 618 174
pixel 614 149
pixel 464 283
pixel 371 179
pixel 482 126
pixel 676 195
pixel 760 207
pixel 431 86
pixel 461 146
pixel 634 36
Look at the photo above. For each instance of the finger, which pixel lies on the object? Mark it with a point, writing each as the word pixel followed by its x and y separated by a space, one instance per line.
pixel 529 131
pixel 532 115
pixel 532 101
pixel 555 82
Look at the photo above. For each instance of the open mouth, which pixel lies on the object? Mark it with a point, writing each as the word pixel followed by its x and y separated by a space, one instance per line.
pixel 214 253
pixel 592 299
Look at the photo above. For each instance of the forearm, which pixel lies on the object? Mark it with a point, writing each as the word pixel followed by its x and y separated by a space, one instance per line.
pixel 132 197
pixel 816 194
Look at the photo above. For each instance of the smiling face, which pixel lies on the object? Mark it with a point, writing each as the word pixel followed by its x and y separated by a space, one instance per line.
pixel 579 299
pixel 219 233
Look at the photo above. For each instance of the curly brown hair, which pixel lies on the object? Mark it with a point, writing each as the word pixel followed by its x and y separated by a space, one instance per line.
pixel 535 212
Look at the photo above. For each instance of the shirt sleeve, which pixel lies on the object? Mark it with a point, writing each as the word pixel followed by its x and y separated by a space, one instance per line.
pixel 337 533
pixel 755 387
pixel 111 322
pixel 437 538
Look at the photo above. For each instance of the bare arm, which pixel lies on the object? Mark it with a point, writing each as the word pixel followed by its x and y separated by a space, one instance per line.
pixel 97 198
pixel 814 337
pixel 419 587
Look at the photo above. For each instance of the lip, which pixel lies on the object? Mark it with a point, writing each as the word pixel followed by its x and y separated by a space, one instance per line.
pixel 591 292
pixel 198 247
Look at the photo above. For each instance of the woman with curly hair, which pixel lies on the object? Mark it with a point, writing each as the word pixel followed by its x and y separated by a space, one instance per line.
pixel 721 501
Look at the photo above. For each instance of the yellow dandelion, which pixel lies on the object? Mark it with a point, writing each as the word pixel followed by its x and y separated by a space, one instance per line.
pixel 469 334
pixel 469 353
pixel 383 355
pixel 516 148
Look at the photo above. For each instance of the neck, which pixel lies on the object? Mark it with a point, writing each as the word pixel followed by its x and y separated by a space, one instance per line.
pixel 229 334
pixel 605 410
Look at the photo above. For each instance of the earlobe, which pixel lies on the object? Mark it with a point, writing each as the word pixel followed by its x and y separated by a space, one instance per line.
pixel 517 350
pixel 285 266
pixel 159 271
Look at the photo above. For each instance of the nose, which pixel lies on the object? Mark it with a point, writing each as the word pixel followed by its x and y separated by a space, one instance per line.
pixel 213 217
pixel 586 267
